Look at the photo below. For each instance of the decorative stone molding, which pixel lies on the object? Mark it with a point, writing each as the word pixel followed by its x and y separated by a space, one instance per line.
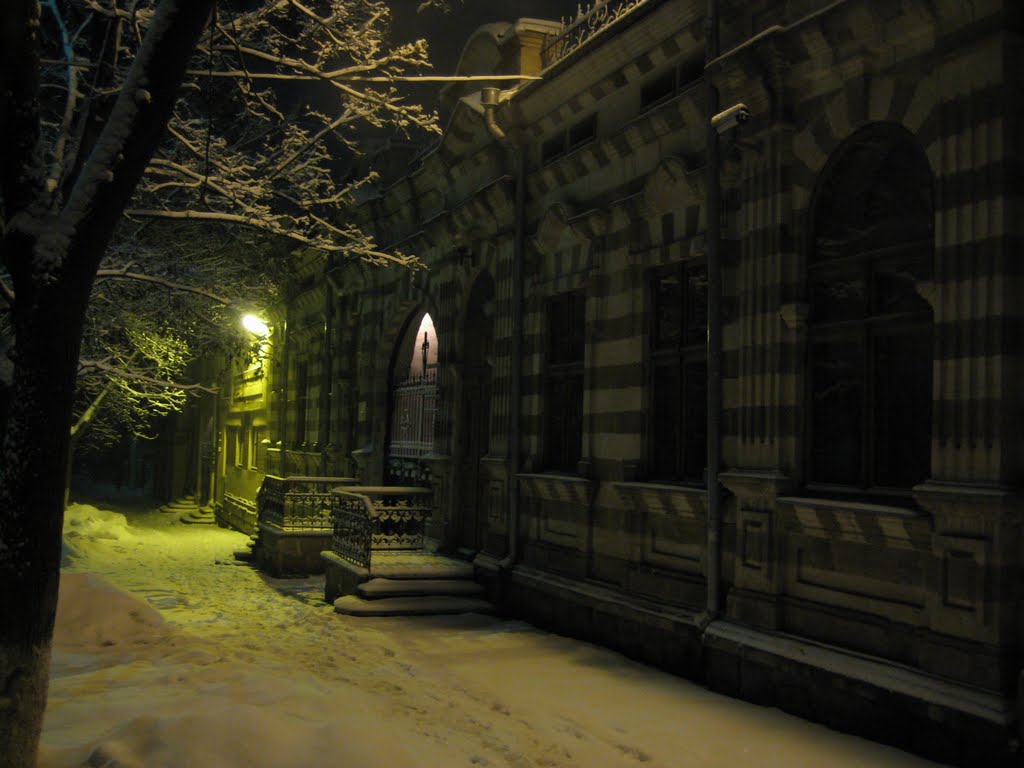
pixel 557 508
pixel 663 499
pixel 961 606
pixel 495 471
pixel 929 291
pixel 669 526
pixel 667 184
pixel 756 489
pixel 794 315
pixel 755 550
pixel 552 226
pixel 756 529
pixel 567 489
pixel 559 221
pixel 591 224
pixel 969 509
pixel 850 555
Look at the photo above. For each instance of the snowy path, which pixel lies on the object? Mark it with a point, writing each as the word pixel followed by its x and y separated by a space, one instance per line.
pixel 188 660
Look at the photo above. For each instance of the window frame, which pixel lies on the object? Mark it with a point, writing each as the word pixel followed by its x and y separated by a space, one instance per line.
pixel 671 82
pixel 688 350
pixel 872 220
pixel 563 366
pixel 255 435
pixel 866 330
pixel 569 139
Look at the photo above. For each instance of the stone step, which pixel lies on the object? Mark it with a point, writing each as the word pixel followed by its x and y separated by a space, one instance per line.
pixel 198 518
pixel 352 605
pixel 423 570
pixel 375 589
pixel 179 507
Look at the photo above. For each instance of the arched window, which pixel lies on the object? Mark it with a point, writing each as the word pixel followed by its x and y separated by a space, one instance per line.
pixel 413 402
pixel 870 328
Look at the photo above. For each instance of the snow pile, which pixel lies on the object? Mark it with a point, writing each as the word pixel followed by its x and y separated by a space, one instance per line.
pixel 93 613
pixel 84 521
pixel 175 701
pixel 167 657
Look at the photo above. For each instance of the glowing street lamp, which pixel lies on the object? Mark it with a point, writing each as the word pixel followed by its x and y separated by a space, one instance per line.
pixel 255 326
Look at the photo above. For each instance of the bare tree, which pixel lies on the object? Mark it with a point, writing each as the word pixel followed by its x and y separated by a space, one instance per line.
pixel 170 110
pixel 167 298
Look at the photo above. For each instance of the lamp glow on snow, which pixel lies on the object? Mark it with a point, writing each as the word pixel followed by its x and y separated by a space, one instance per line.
pixel 255 326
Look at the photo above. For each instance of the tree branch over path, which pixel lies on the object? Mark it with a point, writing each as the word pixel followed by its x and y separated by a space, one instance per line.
pixel 6 293
pixel 129 375
pixel 124 274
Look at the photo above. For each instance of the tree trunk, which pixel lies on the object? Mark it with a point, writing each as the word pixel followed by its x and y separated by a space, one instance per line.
pixel 34 455
pixel 52 257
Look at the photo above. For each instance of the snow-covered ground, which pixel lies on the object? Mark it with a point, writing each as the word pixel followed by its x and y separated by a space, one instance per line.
pixel 167 654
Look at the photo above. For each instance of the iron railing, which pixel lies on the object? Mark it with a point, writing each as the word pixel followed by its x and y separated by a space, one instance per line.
pixel 589 21
pixel 371 519
pixel 353 528
pixel 298 503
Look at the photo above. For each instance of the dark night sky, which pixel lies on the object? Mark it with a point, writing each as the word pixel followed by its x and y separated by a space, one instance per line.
pixel 447 33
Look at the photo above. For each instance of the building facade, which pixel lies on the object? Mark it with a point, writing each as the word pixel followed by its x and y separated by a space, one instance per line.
pixel 837 276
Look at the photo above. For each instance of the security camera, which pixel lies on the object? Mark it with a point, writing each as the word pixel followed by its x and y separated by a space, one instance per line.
pixel 728 119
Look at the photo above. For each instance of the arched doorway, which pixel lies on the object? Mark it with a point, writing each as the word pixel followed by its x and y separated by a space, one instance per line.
pixel 475 413
pixel 869 270
pixel 413 403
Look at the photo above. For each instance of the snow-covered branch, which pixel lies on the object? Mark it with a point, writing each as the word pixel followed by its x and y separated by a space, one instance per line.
pixel 71 99
pixel 117 371
pixel 6 293
pixel 350 242
pixel 124 274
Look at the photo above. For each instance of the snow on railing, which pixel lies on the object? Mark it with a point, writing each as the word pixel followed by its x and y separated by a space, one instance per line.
pixel 298 503
pixel 371 519
pixel 589 21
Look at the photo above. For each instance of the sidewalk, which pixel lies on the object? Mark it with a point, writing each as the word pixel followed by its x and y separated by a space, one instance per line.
pixel 171 655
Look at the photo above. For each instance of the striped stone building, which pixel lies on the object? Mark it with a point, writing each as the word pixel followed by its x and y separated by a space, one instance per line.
pixel 861 564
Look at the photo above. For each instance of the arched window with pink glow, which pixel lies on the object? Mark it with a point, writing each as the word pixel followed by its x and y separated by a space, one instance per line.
pixel 413 403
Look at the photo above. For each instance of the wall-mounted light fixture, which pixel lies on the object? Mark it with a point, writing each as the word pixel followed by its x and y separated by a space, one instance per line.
pixel 255 326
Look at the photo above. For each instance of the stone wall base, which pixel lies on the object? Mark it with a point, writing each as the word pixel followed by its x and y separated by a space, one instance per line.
pixel 292 553
pixel 340 577
pixel 666 637
pixel 235 512
pixel 856 693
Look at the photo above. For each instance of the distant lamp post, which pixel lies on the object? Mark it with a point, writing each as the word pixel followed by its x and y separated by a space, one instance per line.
pixel 255 326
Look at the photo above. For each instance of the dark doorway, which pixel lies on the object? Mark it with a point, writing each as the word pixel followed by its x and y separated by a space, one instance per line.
pixel 475 414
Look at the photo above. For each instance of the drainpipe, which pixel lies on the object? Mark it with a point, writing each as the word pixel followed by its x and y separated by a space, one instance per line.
pixel 714 331
pixel 489 98
pixel 327 374
pixel 282 397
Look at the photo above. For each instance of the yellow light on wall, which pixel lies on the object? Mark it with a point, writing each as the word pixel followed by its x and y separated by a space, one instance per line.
pixel 255 326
